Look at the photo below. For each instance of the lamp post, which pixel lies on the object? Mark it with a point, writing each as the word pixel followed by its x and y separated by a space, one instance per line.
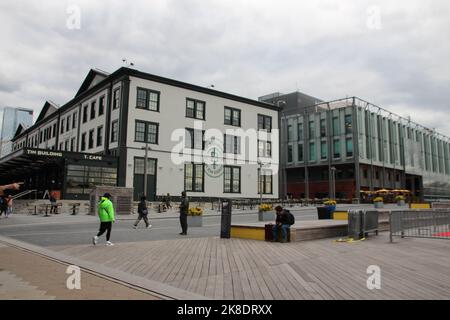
pixel 260 181
pixel 145 168
pixel 333 183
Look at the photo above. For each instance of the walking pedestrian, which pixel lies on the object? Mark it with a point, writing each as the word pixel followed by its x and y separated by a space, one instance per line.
pixel 106 215
pixel 9 203
pixel 53 204
pixel 184 209
pixel 3 206
pixel 143 213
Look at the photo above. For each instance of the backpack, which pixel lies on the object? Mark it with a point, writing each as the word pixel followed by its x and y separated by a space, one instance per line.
pixel 290 218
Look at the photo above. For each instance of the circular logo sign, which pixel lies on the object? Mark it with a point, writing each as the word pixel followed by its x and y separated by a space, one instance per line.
pixel 213 158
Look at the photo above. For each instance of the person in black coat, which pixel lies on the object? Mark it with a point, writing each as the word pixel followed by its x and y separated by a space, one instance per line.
pixel 184 209
pixel 143 213
pixel 281 222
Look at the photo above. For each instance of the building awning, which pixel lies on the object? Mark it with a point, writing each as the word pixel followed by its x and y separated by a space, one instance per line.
pixel 30 159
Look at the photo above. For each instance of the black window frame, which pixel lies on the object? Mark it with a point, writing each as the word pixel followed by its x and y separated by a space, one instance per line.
pixel 62 126
pixel 146 131
pixel 83 142
pixel 93 110
pixel 99 136
pixel 236 144
pixel 115 135
pixel 68 121
pixel 264 118
pixel 262 179
pixel 74 120
pixel 91 139
pixel 231 121
pixel 72 145
pixel 194 174
pixel 147 99
pixel 85 113
pixel 195 101
pixel 232 179
pixel 192 140
pixel 54 130
pixel 116 98
pixel 101 105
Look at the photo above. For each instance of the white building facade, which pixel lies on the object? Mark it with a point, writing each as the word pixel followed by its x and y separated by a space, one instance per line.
pixel 209 143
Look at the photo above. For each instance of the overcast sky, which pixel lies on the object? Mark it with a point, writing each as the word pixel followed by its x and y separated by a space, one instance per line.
pixel 395 54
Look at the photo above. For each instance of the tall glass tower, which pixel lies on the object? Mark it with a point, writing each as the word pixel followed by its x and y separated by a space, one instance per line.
pixel 9 121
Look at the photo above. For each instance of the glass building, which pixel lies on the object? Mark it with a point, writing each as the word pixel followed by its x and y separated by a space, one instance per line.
pixel 10 120
pixel 366 147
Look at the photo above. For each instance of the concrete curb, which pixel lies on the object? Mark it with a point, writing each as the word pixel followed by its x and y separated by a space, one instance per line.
pixel 155 288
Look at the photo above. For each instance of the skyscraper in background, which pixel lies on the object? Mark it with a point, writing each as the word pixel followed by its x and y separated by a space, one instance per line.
pixel 10 118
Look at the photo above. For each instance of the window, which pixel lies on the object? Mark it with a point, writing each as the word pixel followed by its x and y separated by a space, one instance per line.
pixel 72 145
pixel 99 136
pixel 115 131
pixel 231 179
pixel 232 144
pixel 194 139
pixel 68 123
pixel 83 142
pixel 264 149
pixel 41 136
pixel 300 131
pixel 194 177
pixel 232 117
pixel 66 145
pixel 349 147
pixel 265 181
pixel 93 110
pixel 264 123
pixel 146 132
pixel 290 133
pixel 323 128
pixel 140 169
pixel 85 112
pixel 61 146
pixel 147 99
pixel 195 109
pixel 91 139
pixel 62 126
pixel 101 106
pixel 348 124
pixel 54 130
pixel 312 151
pixel 300 152
pixel 323 150
pixel 337 149
pixel 289 154
pixel 74 120
pixel 312 130
pixel 116 98
pixel 336 126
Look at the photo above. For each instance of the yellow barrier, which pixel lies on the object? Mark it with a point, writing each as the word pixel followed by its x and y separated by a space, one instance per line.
pixel 248 233
pixel 340 215
pixel 420 206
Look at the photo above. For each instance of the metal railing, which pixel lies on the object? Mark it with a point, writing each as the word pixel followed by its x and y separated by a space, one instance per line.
pixel 434 224
pixel 23 193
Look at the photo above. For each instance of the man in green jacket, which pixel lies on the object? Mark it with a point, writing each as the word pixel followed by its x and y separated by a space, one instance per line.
pixel 106 215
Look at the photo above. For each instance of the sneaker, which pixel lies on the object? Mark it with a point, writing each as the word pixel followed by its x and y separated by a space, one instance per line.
pixel 109 243
pixel 182 234
pixel 149 226
pixel 94 240
pixel 134 227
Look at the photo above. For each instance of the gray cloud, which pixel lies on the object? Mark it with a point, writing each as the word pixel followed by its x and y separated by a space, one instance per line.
pixel 250 48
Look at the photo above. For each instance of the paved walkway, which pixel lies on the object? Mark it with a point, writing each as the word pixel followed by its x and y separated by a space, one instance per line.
pixel 245 269
pixel 25 275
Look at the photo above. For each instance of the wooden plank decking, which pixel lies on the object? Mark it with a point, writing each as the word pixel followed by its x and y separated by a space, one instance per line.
pixel 248 269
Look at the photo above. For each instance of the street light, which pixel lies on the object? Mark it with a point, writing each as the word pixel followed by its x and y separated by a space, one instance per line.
pixel 333 183
pixel 145 167
pixel 260 181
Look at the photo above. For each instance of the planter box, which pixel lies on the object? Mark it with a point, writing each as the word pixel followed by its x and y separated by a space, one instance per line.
pixel 379 205
pixel 324 213
pixel 195 221
pixel 266 216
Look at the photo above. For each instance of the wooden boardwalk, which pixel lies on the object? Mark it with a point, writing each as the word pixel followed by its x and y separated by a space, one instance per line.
pixel 247 269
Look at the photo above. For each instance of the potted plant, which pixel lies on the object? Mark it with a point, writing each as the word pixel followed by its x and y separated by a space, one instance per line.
pixel 326 212
pixel 195 217
pixel 266 212
pixel 400 200
pixel 378 202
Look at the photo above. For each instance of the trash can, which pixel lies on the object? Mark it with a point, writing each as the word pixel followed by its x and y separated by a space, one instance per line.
pixel 324 213
pixel 268 231
pixel 225 223
pixel 356 224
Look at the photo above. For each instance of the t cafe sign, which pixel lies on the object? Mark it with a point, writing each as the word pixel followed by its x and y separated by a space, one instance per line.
pixel 56 154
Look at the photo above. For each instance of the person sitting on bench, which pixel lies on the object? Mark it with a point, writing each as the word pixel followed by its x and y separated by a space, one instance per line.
pixel 282 222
